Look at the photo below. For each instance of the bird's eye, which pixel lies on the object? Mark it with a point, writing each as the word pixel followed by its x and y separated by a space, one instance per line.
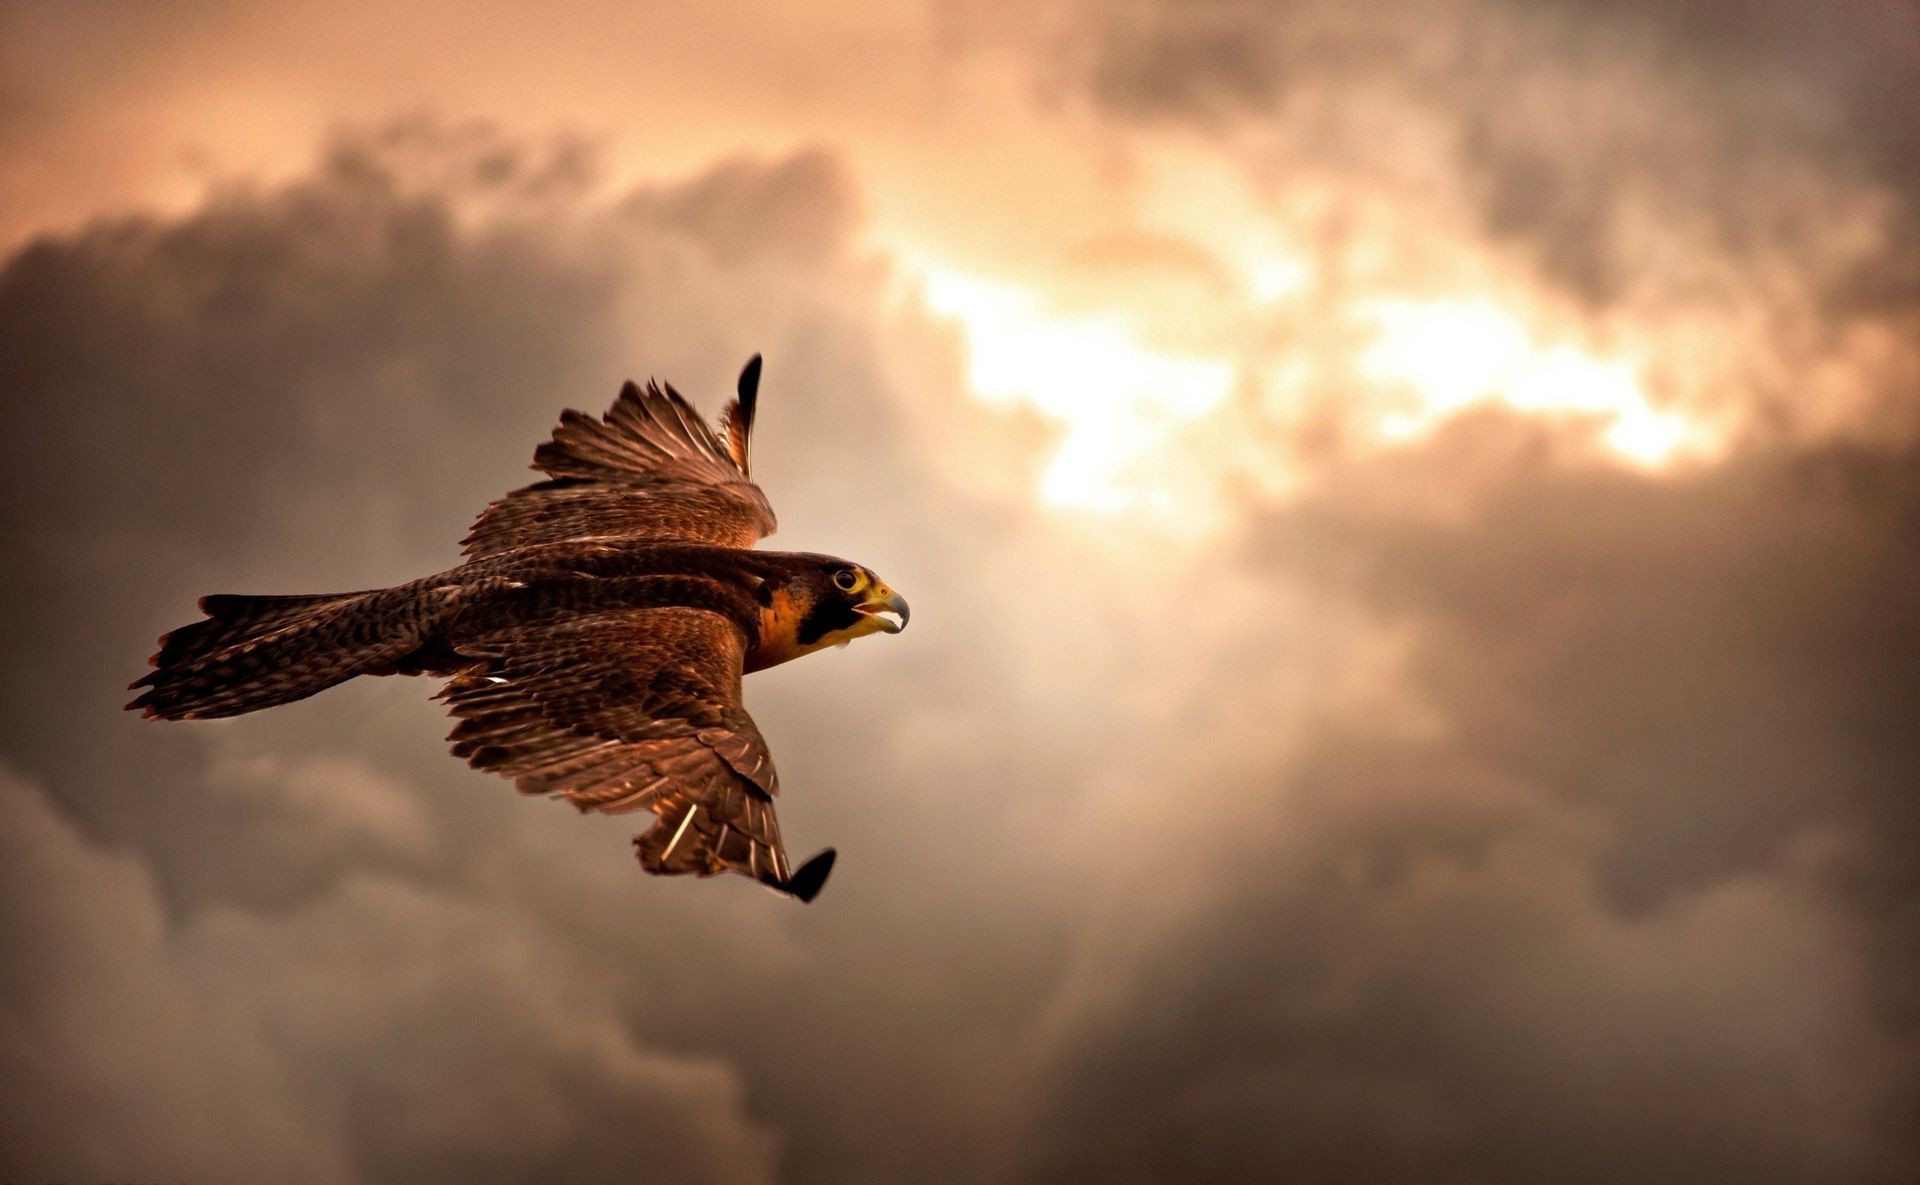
pixel 846 579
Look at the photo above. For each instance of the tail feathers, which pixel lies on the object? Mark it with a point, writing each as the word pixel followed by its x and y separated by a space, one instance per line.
pixel 232 620
pixel 260 652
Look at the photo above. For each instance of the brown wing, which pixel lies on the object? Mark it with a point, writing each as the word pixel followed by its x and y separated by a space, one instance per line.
pixel 649 469
pixel 634 710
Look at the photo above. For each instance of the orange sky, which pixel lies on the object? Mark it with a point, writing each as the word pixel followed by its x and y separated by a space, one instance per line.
pixel 1243 253
pixel 1409 512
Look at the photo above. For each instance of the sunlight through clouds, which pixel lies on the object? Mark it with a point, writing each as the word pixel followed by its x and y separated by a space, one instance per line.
pixel 1149 430
pixel 1452 354
pixel 1117 399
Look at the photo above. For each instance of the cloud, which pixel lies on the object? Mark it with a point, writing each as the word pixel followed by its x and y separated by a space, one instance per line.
pixel 1478 804
pixel 326 1044
pixel 1616 897
pixel 1571 92
pixel 1727 191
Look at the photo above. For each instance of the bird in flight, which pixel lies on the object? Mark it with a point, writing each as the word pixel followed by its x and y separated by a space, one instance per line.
pixel 593 639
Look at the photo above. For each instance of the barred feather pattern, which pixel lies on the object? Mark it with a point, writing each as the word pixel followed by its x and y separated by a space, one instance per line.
pixel 261 652
pixel 648 470
pixel 233 619
pixel 626 711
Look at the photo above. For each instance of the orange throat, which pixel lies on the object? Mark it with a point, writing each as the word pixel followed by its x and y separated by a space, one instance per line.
pixel 780 625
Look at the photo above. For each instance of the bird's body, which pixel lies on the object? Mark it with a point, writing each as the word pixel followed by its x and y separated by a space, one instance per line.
pixel 594 640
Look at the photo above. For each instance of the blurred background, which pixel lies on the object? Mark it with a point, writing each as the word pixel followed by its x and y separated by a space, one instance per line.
pixel 1411 512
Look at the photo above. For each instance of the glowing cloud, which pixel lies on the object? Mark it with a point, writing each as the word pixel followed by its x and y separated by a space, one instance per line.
pixel 1451 354
pixel 1117 398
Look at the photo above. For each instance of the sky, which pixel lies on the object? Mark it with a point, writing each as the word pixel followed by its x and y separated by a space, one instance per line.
pixel 1412 514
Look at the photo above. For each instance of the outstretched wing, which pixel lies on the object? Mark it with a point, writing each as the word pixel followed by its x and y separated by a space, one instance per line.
pixel 636 709
pixel 650 469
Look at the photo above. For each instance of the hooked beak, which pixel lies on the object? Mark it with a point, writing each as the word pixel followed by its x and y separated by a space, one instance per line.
pixel 887 608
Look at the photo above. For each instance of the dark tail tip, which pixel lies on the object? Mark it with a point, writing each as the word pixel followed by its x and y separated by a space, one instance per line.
pixel 808 880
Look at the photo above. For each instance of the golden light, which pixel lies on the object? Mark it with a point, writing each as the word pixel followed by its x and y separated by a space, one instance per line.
pixel 1144 402
pixel 1452 354
pixel 1118 400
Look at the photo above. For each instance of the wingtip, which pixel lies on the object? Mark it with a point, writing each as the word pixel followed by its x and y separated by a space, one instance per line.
pixel 811 877
pixel 736 423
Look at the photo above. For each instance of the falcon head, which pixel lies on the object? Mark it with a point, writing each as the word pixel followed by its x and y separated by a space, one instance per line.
pixel 821 601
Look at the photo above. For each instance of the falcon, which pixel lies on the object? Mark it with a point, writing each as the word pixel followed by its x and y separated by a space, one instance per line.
pixel 593 639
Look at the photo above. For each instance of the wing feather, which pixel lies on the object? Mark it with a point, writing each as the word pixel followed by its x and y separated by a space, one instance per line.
pixel 737 420
pixel 634 710
pixel 649 470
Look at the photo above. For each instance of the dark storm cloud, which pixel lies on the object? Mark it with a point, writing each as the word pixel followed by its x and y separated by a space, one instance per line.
pixel 390 1032
pixel 1637 900
pixel 1755 631
pixel 1623 146
pixel 240 393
